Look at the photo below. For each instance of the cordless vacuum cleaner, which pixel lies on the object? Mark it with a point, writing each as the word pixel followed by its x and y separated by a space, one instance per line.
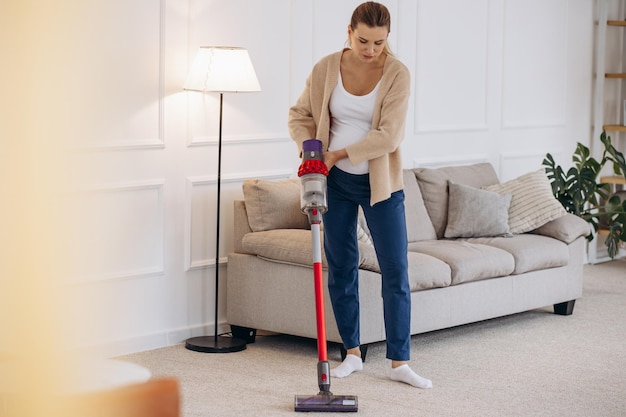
pixel 312 173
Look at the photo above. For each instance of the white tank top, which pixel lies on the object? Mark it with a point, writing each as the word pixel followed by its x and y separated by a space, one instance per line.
pixel 351 120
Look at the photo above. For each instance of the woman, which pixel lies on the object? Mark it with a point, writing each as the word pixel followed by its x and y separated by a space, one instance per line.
pixel 355 101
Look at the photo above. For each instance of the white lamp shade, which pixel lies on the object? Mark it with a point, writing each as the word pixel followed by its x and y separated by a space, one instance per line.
pixel 222 69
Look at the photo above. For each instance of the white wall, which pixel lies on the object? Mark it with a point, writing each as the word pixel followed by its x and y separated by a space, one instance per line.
pixel 498 81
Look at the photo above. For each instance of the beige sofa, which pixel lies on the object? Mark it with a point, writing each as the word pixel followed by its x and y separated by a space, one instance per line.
pixel 478 249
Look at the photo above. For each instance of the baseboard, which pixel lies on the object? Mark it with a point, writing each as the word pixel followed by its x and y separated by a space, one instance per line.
pixel 151 341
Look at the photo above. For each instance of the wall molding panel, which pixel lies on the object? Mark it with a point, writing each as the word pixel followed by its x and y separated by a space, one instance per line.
pixel 120 231
pixel 535 71
pixel 451 73
pixel 140 124
pixel 200 200
pixel 453 160
pixel 513 164
pixel 239 140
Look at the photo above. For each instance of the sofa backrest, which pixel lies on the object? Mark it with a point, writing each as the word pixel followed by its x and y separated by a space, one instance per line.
pixel 433 183
pixel 275 204
pixel 418 224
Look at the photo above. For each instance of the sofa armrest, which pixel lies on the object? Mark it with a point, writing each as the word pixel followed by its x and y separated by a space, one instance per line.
pixel 241 226
pixel 566 228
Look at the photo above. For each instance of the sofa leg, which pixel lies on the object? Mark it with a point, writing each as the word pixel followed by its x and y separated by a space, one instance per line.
pixel 244 333
pixel 564 309
pixel 344 353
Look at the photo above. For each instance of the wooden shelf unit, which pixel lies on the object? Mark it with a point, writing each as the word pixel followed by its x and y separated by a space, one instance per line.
pixel 604 22
pixel 613 179
pixel 614 128
pixel 609 80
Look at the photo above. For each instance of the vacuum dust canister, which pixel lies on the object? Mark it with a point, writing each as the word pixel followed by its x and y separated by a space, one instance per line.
pixel 312 173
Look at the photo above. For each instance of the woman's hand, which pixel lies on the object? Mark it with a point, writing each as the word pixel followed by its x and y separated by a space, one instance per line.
pixel 331 157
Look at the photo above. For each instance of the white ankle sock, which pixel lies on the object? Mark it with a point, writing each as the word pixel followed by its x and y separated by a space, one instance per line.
pixel 351 363
pixel 405 374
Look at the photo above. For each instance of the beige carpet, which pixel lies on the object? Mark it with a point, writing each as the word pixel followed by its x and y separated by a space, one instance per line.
pixel 529 364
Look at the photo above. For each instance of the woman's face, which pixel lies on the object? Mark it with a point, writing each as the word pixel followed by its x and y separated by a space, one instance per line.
pixel 368 42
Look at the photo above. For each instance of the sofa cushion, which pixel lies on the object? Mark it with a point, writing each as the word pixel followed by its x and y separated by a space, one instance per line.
pixel 418 224
pixel 367 257
pixel 427 272
pixel 533 203
pixel 566 228
pixel 286 245
pixel 362 234
pixel 473 212
pixel 531 252
pixel 274 204
pixel 468 261
pixel 433 183
pixel 294 246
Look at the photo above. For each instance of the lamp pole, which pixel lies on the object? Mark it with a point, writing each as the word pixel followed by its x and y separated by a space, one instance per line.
pixel 220 69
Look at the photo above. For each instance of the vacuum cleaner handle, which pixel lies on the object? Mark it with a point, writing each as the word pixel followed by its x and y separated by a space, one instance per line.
pixel 313 172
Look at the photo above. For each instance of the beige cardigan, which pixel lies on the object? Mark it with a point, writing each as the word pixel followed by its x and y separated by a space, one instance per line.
pixel 310 118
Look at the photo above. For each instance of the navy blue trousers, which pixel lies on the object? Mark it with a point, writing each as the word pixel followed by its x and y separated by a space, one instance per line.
pixel 387 224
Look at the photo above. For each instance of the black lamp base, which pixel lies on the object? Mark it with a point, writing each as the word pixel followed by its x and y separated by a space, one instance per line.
pixel 215 344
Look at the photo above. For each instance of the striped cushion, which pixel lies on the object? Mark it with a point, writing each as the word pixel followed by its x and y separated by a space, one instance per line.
pixel 533 203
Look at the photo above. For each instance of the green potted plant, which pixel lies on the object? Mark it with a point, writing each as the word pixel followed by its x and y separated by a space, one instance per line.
pixel 615 207
pixel 581 194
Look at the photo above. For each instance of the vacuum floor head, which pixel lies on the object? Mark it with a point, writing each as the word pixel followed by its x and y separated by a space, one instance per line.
pixel 327 402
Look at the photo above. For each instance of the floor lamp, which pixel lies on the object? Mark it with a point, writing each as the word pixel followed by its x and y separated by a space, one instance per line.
pixel 220 69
